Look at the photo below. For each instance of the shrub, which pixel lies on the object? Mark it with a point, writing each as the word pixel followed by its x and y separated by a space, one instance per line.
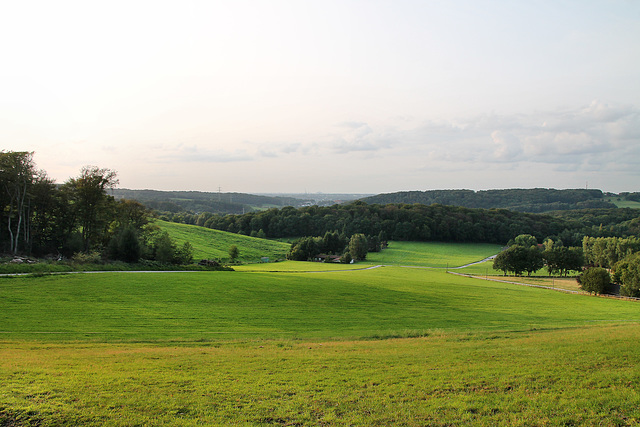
pixel 93 257
pixel 595 280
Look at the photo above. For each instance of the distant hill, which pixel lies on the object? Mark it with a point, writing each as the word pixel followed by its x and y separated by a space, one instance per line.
pixel 534 200
pixel 198 201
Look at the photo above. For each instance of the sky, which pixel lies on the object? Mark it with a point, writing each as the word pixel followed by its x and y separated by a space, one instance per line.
pixel 326 96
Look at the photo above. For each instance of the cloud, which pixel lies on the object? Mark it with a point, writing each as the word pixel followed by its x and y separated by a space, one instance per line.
pixel 596 134
pixel 195 154
pixel 507 146
pixel 356 136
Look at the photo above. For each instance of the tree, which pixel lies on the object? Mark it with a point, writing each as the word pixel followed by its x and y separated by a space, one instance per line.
pixel 304 249
pixel 90 201
pixel 358 246
pixel 534 260
pixel 184 254
pixel 164 248
pixel 518 259
pixel 17 172
pixel 561 259
pixel 526 240
pixel 233 253
pixel 627 274
pixel 125 245
pixel 594 280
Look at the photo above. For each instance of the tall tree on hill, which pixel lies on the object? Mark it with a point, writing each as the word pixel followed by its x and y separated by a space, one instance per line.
pixel 90 201
pixel 358 246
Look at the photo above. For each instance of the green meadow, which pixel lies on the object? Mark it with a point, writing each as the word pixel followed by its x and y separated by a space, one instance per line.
pixel 215 244
pixel 208 306
pixel 433 254
pixel 623 203
pixel 315 344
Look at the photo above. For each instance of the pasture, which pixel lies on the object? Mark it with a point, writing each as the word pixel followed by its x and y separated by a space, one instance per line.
pixel 573 376
pixel 204 306
pixel 294 346
pixel 432 254
pixel 215 244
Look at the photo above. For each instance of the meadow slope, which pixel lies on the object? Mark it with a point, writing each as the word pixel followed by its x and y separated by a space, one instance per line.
pixel 215 244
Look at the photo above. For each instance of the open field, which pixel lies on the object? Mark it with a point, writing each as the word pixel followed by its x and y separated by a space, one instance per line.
pixel 623 203
pixel 300 266
pixel 203 306
pixel 432 254
pixel 541 278
pixel 385 346
pixel 214 244
pixel 575 376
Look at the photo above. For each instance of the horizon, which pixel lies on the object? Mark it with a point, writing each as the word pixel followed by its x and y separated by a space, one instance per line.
pixel 285 193
pixel 334 96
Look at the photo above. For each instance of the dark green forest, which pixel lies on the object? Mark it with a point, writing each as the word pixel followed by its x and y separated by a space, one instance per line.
pixel 199 201
pixel 533 200
pixel 424 223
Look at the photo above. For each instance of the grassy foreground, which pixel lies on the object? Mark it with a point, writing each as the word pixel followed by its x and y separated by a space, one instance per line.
pixel 210 306
pixel 575 376
pixel 385 346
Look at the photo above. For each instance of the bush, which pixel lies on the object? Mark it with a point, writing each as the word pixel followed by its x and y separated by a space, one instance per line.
pixel 595 280
pixel 93 257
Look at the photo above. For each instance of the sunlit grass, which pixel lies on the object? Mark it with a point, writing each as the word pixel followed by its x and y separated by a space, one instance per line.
pixel 432 254
pixel 576 376
pixel 192 306
pixel 623 203
pixel 215 244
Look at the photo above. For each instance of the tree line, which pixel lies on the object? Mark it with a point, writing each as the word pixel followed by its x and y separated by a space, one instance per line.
pixel 524 254
pixel 422 223
pixel 351 248
pixel 607 260
pixel 523 200
pixel 39 217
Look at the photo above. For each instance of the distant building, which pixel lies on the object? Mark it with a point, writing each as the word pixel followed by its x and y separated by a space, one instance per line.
pixel 323 258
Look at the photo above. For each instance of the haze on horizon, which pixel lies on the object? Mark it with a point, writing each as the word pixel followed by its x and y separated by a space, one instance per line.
pixel 350 96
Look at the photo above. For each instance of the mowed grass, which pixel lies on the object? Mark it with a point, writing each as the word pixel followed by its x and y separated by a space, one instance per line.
pixel 215 244
pixel 623 203
pixel 300 266
pixel 541 278
pixel 210 306
pixel 432 254
pixel 577 376
pixel 385 346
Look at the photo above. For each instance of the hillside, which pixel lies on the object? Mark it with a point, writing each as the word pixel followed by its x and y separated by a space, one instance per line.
pixel 214 244
pixel 199 201
pixel 533 200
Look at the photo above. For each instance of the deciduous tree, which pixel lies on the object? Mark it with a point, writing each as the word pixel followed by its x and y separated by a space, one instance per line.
pixel 90 200
pixel 595 280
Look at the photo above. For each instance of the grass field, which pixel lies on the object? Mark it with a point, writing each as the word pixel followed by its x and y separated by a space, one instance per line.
pixel 576 376
pixel 214 244
pixel 432 254
pixel 623 203
pixel 384 346
pixel 202 306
